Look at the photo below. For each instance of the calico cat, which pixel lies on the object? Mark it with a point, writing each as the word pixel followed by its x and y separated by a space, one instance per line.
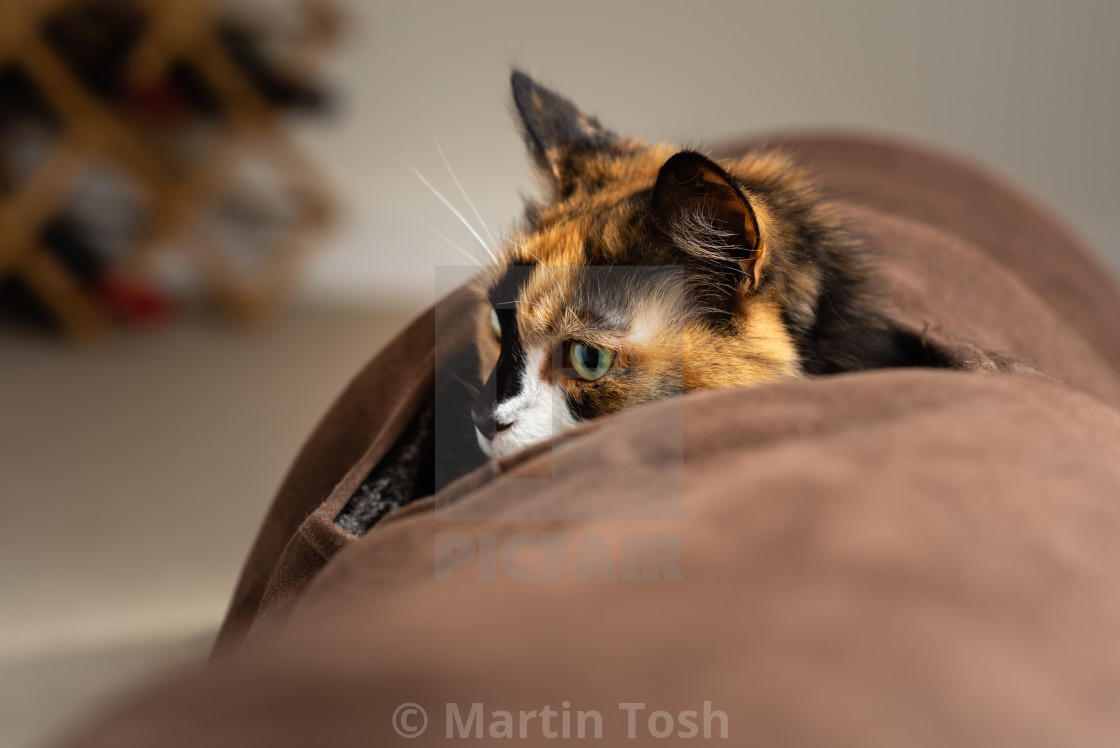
pixel 650 270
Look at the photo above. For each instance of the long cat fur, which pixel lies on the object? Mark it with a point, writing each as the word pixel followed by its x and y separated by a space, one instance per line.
pixel 693 273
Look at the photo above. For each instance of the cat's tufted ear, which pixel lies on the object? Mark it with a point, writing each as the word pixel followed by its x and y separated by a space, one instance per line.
pixel 707 215
pixel 558 134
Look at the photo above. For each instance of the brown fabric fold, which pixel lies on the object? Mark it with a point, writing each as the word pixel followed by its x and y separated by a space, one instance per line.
pixel 900 557
pixel 959 198
pixel 891 558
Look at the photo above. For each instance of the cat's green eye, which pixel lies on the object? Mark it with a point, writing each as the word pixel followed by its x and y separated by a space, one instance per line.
pixel 589 362
pixel 495 323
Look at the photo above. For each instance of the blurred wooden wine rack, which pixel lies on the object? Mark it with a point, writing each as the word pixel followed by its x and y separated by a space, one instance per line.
pixel 144 138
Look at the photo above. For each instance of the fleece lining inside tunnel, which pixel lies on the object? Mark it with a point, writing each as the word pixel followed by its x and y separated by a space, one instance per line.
pixel 436 447
pixel 402 476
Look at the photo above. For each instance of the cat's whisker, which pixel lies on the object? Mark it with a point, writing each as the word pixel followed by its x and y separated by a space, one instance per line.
pixel 527 303
pixel 563 298
pixel 470 387
pixel 470 258
pixel 573 315
pixel 519 301
pixel 453 209
pixel 458 184
pixel 543 265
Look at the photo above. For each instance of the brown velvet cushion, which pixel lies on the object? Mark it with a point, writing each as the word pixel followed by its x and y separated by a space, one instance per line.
pixel 901 557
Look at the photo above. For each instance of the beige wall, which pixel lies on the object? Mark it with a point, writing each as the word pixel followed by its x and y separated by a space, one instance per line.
pixel 1028 86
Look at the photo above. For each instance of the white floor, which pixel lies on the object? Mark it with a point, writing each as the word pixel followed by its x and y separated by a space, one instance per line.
pixel 133 477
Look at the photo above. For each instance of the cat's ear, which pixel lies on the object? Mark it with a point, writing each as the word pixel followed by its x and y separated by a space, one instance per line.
pixel 557 133
pixel 707 215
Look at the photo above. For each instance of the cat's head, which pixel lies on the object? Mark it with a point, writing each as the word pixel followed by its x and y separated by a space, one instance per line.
pixel 647 270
